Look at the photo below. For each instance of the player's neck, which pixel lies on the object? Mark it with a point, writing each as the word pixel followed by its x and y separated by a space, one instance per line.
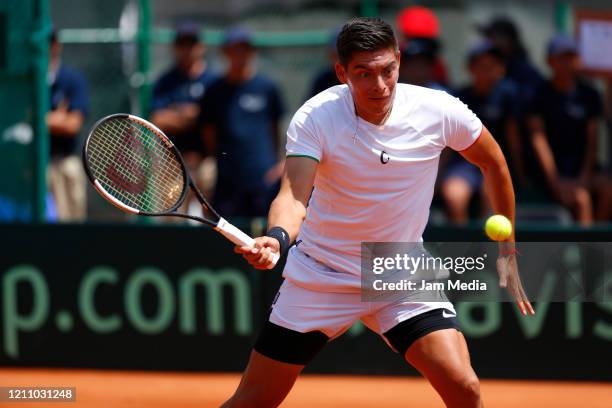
pixel 375 119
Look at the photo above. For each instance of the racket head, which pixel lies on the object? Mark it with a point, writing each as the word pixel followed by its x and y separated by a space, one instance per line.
pixel 135 166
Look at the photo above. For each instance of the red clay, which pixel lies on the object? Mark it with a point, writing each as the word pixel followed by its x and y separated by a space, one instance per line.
pixel 123 389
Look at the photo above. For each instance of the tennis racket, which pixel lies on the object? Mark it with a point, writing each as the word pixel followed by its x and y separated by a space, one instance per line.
pixel 137 168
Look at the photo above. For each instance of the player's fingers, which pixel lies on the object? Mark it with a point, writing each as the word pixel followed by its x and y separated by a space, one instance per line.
pixel 251 255
pixel 515 292
pixel 503 275
pixel 245 250
pixel 263 242
pixel 526 302
pixel 264 257
pixel 520 298
pixel 521 307
pixel 242 249
pixel 529 307
pixel 268 262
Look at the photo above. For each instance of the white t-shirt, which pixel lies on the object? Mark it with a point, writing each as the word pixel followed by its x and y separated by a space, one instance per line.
pixel 373 183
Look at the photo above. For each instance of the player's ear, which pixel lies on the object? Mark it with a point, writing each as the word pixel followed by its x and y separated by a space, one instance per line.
pixel 341 73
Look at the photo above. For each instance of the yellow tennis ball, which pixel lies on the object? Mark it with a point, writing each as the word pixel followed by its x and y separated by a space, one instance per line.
pixel 498 228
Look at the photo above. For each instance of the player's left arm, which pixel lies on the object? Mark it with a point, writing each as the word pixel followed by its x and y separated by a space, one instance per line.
pixel 487 155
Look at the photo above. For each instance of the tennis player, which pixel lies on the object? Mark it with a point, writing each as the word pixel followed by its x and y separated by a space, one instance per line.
pixel 370 149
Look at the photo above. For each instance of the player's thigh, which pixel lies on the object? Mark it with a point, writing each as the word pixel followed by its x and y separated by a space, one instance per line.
pixel 442 357
pixel 299 327
pixel 428 337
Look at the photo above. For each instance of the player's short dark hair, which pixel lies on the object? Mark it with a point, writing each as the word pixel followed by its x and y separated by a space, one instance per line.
pixel 364 34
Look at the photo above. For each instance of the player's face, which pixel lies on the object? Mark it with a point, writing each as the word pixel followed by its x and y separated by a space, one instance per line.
pixel 371 77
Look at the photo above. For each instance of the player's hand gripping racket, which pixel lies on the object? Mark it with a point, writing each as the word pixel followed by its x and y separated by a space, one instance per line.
pixel 138 169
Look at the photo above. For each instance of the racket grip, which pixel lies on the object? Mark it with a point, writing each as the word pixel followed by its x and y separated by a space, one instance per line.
pixel 239 238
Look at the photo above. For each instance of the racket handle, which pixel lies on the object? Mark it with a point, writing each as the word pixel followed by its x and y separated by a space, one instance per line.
pixel 239 238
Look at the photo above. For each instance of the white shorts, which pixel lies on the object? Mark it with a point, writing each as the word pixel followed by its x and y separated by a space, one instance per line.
pixel 305 310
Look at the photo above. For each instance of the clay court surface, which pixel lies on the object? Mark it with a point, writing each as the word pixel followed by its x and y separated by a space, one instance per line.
pixel 119 389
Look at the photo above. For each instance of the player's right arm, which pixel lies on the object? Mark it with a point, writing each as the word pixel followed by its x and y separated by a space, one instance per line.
pixel 288 210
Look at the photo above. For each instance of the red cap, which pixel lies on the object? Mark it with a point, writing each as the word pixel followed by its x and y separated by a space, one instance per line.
pixel 418 21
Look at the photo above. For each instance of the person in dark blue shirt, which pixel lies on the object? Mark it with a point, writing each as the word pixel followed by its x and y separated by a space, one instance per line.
pixel 69 108
pixel 326 78
pixel 240 121
pixel 504 34
pixel 496 102
pixel 563 122
pixel 176 105
pixel 418 66
pixel 176 94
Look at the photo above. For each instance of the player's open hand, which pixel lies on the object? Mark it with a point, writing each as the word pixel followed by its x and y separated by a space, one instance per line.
pixel 509 278
pixel 260 256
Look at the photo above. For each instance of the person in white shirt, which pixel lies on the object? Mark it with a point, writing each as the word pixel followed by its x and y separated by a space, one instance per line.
pixel 370 148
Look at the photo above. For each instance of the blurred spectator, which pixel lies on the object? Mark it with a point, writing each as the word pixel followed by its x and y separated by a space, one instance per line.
pixel 326 78
pixel 503 33
pixel 240 118
pixel 608 117
pixel 175 104
pixel 69 107
pixel 420 23
pixel 496 102
pixel 564 122
pixel 417 65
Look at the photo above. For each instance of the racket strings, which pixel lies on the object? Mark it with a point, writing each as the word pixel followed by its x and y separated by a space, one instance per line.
pixel 134 165
pixel 135 175
pixel 157 176
pixel 129 159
